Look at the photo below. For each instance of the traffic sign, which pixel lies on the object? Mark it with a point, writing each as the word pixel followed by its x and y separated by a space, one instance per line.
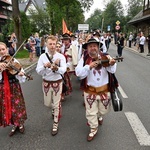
pixel 117 27
pixel 108 28
pixel 83 27
pixel 117 22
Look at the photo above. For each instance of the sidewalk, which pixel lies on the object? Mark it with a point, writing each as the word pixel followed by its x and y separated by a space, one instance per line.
pixel 134 48
pixel 27 65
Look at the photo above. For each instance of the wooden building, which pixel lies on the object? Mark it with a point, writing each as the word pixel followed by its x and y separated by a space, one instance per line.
pixel 142 20
pixel 24 5
pixel 5 12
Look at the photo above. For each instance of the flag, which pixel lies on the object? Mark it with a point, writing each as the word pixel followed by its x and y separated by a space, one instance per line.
pixel 64 28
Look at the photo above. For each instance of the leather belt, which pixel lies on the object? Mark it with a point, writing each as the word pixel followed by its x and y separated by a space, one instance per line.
pixel 57 81
pixel 97 90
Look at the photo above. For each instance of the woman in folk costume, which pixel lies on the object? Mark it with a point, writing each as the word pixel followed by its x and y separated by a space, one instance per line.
pixel 95 84
pixel 12 104
pixel 66 75
pixel 71 53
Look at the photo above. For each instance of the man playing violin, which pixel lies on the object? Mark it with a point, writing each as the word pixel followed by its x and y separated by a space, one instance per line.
pixel 94 76
pixel 12 104
pixel 50 66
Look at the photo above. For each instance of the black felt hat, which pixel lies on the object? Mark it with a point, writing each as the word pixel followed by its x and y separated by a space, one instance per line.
pixel 92 40
pixel 65 36
pixel 96 33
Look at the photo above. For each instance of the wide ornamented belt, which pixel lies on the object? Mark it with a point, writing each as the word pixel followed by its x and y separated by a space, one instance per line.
pixel 57 81
pixel 10 81
pixel 97 90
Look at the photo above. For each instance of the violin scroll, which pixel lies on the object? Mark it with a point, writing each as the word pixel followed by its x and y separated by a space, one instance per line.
pixel 29 77
pixel 104 61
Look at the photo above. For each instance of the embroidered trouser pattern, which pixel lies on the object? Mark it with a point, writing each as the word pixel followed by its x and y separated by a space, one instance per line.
pixel 52 98
pixel 96 106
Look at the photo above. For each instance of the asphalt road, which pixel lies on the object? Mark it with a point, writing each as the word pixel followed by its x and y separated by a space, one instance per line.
pixel 116 133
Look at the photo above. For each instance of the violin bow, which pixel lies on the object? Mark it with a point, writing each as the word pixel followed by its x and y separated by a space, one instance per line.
pixel 16 51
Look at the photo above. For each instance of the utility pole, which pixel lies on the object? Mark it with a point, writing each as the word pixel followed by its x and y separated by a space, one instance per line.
pixel 102 24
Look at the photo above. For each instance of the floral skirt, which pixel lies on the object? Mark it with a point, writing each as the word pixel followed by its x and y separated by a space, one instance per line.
pixel 18 109
pixel 68 83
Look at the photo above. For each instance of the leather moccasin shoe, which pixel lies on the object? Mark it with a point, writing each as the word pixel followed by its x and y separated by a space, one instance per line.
pixel 100 122
pixel 21 129
pixel 92 134
pixel 54 129
pixel 13 130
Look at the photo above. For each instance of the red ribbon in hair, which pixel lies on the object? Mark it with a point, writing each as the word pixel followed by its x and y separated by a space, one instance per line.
pixel 7 97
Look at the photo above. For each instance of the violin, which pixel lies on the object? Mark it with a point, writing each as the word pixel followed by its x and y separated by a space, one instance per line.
pixel 13 67
pixel 104 60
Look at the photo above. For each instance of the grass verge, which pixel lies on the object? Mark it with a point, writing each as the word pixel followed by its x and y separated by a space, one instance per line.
pixel 22 54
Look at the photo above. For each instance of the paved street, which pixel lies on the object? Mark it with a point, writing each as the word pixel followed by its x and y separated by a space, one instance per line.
pixel 116 133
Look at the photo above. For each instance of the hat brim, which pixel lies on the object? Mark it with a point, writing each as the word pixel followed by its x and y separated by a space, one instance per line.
pixel 65 38
pixel 84 46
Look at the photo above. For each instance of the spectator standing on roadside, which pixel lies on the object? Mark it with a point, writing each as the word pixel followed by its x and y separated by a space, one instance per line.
pixel 14 40
pixel 28 47
pixel 37 45
pixel 120 44
pixel 138 41
pixel 142 42
pixel 148 42
pixel 130 39
pixel 43 44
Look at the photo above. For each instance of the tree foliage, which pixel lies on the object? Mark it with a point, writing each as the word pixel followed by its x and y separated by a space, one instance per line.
pixel 95 20
pixel 69 10
pixel 17 20
pixel 134 7
pixel 86 4
pixel 26 26
pixel 112 13
pixel 40 21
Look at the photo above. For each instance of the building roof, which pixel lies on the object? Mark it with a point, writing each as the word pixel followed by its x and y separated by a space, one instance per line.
pixel 3 17
pixel 139 17
pixel 36 3
pixel 5 3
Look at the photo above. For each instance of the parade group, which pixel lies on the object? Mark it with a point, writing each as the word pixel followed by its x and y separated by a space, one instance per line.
pixel 60 58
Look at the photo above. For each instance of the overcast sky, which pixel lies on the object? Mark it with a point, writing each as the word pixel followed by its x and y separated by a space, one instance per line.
pixel 98 4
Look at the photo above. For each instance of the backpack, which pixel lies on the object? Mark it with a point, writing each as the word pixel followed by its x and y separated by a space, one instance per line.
pixel 27 46
pixel 11 51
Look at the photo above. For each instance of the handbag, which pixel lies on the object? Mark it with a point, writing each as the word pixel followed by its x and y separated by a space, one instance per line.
pixel 116 98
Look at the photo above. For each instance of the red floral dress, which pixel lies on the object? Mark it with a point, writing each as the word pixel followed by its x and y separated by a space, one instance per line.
pixel 12 112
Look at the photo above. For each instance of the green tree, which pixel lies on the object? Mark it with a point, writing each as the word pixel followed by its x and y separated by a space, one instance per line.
pixel 113 12
pixel 70 10
pixel 17 20
pixel 86 4
pixel 40 21
pixel 26 26
pixel 134 7
pixel 95 20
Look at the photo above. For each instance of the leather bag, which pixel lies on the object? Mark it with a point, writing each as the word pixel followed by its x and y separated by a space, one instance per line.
pixel 116 100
